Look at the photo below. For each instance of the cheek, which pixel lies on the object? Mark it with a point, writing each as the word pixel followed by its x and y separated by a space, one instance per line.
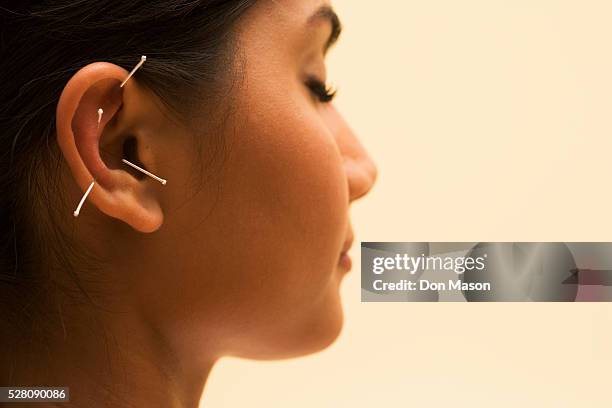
pixel 293 191
pixel 282 216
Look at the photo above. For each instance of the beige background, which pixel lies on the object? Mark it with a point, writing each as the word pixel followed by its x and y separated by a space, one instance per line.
pixel 490 120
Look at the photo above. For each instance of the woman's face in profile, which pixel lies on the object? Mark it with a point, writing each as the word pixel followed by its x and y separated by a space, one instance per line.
pixel 255 253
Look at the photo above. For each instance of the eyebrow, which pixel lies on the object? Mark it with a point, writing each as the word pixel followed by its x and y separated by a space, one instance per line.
pixel 327 13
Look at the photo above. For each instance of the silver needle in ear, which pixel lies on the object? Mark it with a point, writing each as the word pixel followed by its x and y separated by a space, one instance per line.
pixel 161 180
pixel 142 60
pixel 78 210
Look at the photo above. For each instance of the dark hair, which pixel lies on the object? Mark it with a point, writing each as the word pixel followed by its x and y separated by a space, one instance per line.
pixel 188 44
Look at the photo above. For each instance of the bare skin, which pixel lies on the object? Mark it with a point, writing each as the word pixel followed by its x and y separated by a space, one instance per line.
pixel 242 259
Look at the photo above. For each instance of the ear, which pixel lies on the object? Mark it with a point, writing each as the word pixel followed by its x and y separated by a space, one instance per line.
pixel 118 191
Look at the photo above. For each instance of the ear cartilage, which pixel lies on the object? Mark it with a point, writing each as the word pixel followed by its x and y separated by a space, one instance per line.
pixel 100 112
pixel 161 180
pixel 78 210
pixel 142 61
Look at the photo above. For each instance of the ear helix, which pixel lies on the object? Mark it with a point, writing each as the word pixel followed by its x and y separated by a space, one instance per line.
pixel 100 113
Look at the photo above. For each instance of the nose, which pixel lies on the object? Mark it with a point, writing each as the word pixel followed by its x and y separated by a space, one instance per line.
pixel 361 174
pixel 360 169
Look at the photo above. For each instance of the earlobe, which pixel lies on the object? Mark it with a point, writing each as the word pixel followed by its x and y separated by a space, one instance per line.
pixel 93 90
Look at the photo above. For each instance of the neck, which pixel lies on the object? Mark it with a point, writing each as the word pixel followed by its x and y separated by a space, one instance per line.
pixel 106 359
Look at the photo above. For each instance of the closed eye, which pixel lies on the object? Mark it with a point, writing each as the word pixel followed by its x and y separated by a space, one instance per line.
pixel 320 90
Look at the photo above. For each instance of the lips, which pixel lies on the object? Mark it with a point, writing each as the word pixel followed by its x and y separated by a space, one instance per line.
pixel 344 260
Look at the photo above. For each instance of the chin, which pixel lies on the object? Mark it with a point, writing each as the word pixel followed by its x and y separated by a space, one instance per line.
pixel 308 343
pixel 322 327
pixel 309 335
pixel 322 334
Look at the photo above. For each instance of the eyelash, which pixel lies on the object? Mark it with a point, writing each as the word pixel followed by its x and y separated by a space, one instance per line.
pixel 320 90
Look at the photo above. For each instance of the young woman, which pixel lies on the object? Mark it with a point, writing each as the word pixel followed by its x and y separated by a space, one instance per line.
pixel 240 253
